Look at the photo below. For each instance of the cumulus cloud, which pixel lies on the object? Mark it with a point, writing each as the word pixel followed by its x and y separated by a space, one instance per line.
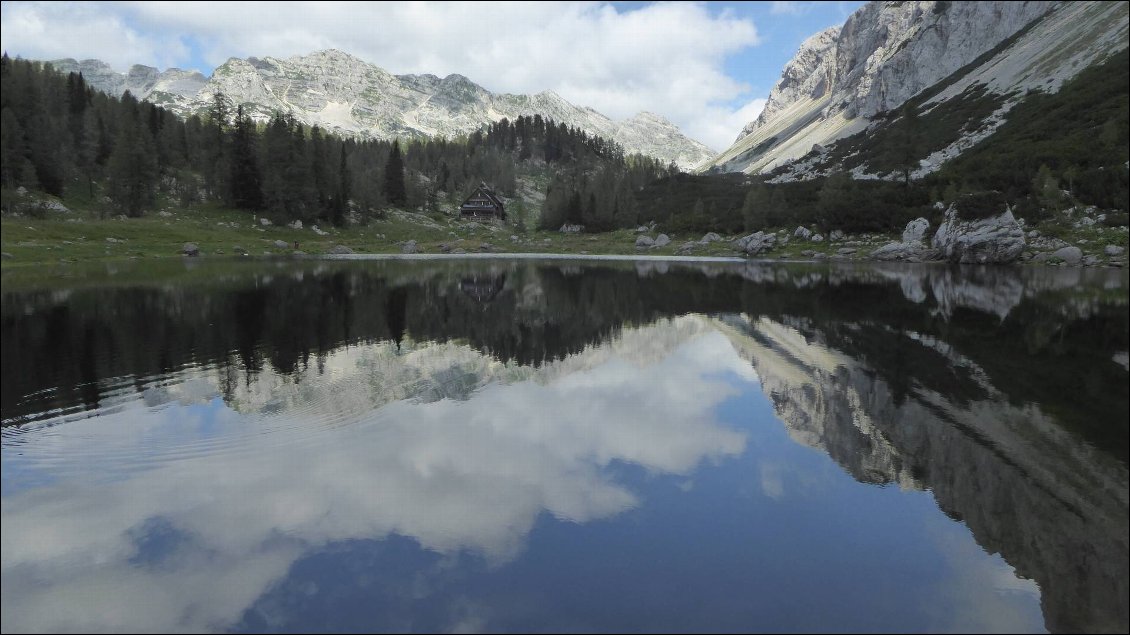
pixel 666 58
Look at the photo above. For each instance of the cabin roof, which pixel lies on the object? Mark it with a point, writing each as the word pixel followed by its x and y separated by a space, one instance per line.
pixel 487 192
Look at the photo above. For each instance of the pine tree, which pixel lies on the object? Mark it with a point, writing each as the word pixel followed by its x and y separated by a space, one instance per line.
pixel 394 190
pixel 215 147
pixel 246 185
pixel 133 163
pixel 341 197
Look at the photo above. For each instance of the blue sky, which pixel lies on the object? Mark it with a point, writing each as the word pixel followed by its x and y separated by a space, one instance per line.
pixel 707 66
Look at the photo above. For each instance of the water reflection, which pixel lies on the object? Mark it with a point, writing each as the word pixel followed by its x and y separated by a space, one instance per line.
pixel 468 447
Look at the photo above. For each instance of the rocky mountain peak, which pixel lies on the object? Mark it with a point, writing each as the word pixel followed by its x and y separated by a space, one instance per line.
pixel 841 79
pixel 344 94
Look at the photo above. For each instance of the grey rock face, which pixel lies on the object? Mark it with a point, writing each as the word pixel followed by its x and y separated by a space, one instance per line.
pixel 1070 255
pixel 887 52
pixel 908 252
pixel 756 243
pixel 915 230
pixel 346 95
pixel 998 239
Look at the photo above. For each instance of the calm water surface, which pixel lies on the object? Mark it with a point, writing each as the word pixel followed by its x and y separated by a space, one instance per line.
pixel 551 446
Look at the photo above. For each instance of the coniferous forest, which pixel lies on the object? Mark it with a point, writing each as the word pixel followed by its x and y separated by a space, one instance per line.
pixel 66 139
pixel 118 155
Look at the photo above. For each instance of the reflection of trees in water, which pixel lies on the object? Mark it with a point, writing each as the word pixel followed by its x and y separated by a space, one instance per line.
pixel 946 367
pixel 59 348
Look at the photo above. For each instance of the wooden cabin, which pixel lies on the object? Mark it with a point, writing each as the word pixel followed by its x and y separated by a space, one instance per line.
pixel 482 204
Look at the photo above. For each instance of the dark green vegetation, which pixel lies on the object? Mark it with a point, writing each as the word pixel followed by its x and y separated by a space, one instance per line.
pixel 137 323
pixel 121 156
pixel 1077 139
pixel 109 156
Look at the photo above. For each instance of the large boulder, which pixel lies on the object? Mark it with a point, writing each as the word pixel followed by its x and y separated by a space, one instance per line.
pixel 915 230
pixel 911 249
pixel 340 250
pixel 995 239
pixel 756 243
pixel 710 237
pixel 908 252
pixel 281 244
pixel 643 242
pixel 1070 255
pixel 409 247
pixel 190 249
pixel 662 240
pixel 802 232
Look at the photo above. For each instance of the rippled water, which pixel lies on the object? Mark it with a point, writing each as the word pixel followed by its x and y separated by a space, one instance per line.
pixel 555 446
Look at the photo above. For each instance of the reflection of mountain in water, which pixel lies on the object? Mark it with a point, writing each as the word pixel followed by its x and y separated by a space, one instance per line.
pixel 482 288
pixel 1056 509
pixel 994 389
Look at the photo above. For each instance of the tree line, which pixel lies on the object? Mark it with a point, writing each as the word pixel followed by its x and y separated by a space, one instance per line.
pixel 119 154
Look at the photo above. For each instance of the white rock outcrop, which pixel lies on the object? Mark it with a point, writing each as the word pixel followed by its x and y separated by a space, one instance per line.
pixel 756 243
pixel 915 230
pixel 993 240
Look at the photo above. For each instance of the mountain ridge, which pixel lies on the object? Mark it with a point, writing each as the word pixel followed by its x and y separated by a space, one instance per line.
pixel 845 80
pixel 347 95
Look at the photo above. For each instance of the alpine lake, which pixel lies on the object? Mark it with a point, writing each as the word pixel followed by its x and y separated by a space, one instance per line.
pixel 507 445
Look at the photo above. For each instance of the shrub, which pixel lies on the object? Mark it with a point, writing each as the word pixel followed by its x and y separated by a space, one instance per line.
pixel 1117 220
pixel 979 205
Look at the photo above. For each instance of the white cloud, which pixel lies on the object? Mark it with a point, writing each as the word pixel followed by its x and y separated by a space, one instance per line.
pixel 789 7
pixel 54 30
pixel 666 58
pixel 723 124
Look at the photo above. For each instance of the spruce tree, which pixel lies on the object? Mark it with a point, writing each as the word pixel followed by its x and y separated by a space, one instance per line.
pixel 395 192
pixel 341 197
pixel 246 186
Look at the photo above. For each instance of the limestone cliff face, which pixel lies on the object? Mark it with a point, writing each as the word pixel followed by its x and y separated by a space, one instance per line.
pixel 888 52
pixel 349 96
pixel 806 77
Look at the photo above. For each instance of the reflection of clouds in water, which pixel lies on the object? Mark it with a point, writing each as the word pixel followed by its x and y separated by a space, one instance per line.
pixel 451 474
pixel 981 593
